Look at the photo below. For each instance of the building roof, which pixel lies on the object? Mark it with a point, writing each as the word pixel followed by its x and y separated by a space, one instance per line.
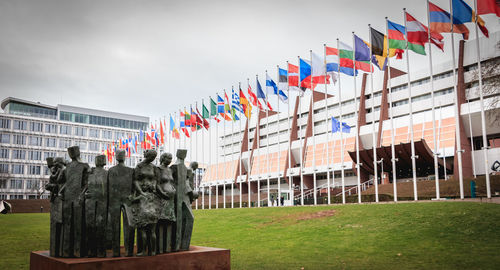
pixel 23 101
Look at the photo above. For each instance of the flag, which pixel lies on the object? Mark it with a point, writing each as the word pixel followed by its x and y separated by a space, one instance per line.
pixel 418 35
pixel 201 117
pixel 488 6
pixel 236 102
pixel 283 79
pixel 272 89
pixel 221 109
pixel 362 56
pixel 440 22
pixel 345 59
pixel 293 78
pixel 346 128
pixel 213 107
pixel 335 125
pixel 305 73
pixel 247 107
pixel 260 94
pixel 234 115
pixel 253 98
pixel 463 13
pixel 227 106
pixel 318 71
pixel 332 62
pixel 162 133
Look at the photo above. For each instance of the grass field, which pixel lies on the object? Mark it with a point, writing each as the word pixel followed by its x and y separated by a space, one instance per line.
pixel 439 235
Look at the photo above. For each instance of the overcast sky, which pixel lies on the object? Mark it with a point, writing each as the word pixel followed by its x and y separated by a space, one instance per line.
pixel 152 57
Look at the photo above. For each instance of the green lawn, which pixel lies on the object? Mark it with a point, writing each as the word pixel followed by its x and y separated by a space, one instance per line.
pixel 441 235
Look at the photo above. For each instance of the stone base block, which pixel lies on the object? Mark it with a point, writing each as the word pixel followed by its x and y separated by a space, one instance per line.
pixel 196 258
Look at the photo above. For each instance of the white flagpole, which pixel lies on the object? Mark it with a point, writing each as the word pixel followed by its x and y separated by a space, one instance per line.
pixel 436 166
pixel 241 145
pixel 326 130
pixel 224 144
pixel 203 155
pixel 358 128
pixel 374 139
pixel 231 148
pixel 315 195
pixel 341 129
pixel 483 117
pixel 412 142
pixel 269 203
pixel 209 157
pixel 258 149
pixel 439 139
pixel 301 145
pixel 457 116
pixel 393 143
pixel 279 148
pixel 217 160
pixel 196 144
pixel 249 163
pixel 290 179
pixel 192 135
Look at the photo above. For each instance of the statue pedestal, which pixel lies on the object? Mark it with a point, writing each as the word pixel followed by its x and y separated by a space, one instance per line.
pixel 196 258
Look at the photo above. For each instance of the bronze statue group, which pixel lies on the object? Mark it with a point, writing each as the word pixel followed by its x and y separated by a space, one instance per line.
pixel 87 205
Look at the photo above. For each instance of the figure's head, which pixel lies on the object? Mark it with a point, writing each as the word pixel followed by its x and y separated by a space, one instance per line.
pixel 166 159
pixel 100 161
pixel 181 153
pixel 150 155
pixel 59 162
pixel 74 152
pixel 50 162
pixel 194 165
pixel 120 155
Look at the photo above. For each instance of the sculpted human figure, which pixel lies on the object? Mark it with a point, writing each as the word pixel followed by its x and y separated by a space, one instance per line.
pixel 146 199
pixel 75 177
pixel 183 211
pixel 190 196
pixel 120 178
pixel 56 166
pixel 166 191
pixel 96 208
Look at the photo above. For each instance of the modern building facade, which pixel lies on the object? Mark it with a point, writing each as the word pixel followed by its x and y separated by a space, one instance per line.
pixel 30 132
pixel 294 152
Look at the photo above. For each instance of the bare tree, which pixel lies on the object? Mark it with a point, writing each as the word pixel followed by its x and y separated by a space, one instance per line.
pixel 491 87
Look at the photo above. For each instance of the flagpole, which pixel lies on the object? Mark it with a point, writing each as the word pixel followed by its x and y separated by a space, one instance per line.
pixel 290 192
pixel 374 140
pixel 258 148
pixel 196 144
pixel 279 154
pixel 393 143
pixel 457 111
pixel 326 130
pixel 241 146
pixel 358 128
pixel 435 154
pixel 224 144
pixel 439 139
pixel 341 131
pixel 301 145
pixel 483 117
pixel 231 148
pixel 267 146
pixel 203 155
pixel 217 160
pixel 315 195
pixel 412 142
pixel 249 164
pixel 210 151
pixel 471 141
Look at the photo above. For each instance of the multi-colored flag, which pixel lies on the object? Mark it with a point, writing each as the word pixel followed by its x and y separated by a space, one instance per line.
pixel 221 109
pixel 260 94
pixel 463 13
pixel 488 7
pixel 293 78
pixel 213 110
pixel 173 129
pixel 245 104
pixel 272 89
pixel 346 59
pixel 362 54
pixel 440 22
pixel 253 98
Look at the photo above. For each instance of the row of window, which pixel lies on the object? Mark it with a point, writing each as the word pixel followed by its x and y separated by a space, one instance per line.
pixel 61 129
pixel 101 121
pixel 20 169
pixel 29 184
pixel 18 139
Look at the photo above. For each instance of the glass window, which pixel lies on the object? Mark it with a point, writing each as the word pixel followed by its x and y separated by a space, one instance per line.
pixel 51 128
pixel 107 134
pixel 18 168
pixel 80 131
pixel 48 154
pixel 93 146
pixel 3 183
pixel 20 125
pixel 16 184
pixel 35 155
pixel 64 143
pixel 50 142
pixel 35 126
pixel 4 168
pixel 32 184
pixel 18 154
pixel 82 145
pixel 16 197
pixel 19 139
pixel 34 169
pixel 35 141
pixel 4 138
pixel 66 130
pixel 94 133
pixel 4 123
pixel 4 153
